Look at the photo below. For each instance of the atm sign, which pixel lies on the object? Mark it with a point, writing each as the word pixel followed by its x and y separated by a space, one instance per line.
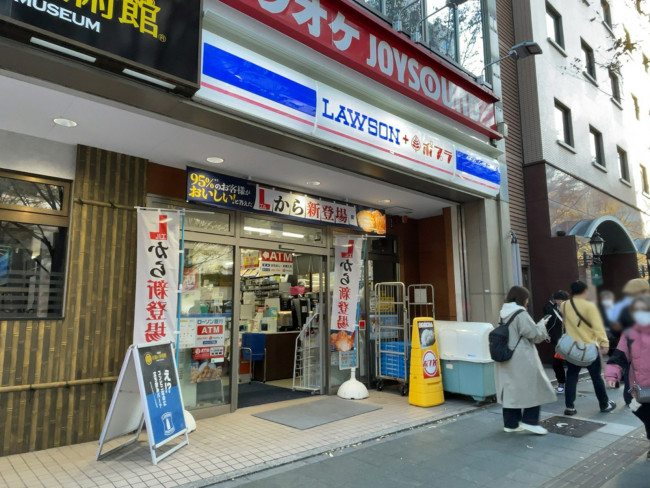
pixel 430 365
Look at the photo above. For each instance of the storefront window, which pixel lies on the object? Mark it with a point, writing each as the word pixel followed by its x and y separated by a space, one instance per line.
pixel 206 325
pixel 455 33
pixel 33 242
pixel 282 231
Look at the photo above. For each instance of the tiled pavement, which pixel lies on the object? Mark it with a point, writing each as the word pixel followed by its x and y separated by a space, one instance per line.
pixel 222 448
pixel 472 451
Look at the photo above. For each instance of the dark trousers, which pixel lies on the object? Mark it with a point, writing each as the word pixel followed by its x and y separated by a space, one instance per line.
pixel 571 386
pixel 644 415
pixel 627 396
pixel 558 367
pixel 512 416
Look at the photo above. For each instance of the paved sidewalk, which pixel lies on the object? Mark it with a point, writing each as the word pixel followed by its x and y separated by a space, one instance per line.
pixel 472 451
pixel 224 447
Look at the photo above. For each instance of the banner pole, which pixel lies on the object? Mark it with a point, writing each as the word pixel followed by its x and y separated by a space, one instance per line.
pixel 181 253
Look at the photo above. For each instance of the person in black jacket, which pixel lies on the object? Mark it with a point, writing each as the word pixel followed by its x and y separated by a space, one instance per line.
pixel 554 328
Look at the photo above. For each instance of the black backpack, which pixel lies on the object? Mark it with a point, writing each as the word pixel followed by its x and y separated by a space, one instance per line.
pixel 498 338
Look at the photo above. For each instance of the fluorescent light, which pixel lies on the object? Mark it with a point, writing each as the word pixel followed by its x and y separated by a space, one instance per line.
pixel 62 50
pixel 228 264
pixel 313 183
pixel 385 200
pixel 214 160
pixel 147 78
pixel 258 229
pixel 291 234
pixel 64 122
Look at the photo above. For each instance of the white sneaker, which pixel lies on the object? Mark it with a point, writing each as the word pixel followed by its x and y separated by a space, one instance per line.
pixel 534 429
pixel 519 428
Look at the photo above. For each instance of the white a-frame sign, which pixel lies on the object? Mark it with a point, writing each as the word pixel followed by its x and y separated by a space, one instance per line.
pixel 147 391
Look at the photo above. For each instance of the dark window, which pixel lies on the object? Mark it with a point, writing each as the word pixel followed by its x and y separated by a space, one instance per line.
pixel 34 223
pixel 616 87
pixel 554 25
pixel 644 180
pixel 590 63
pixel 596 146
pixel 622 164
pixel 637 110
pixel 607 13
pixel 563 123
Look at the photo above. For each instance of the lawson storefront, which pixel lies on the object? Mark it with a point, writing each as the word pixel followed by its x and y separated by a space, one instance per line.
pixel 334 111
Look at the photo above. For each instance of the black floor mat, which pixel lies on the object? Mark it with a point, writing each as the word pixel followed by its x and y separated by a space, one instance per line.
pixel 251 394
pixel 570 427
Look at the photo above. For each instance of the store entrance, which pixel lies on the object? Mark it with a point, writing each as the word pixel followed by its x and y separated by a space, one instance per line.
pixel 281 293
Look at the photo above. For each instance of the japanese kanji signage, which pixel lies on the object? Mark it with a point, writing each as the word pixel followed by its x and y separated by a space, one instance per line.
pixel 156 295
pixel 225 191
pixel 346 33
pixel 147 393
pixel 161 35
pixel 243 80
pixel 348 261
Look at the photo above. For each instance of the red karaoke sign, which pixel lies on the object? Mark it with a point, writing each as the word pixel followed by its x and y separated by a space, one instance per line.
pixel 348 34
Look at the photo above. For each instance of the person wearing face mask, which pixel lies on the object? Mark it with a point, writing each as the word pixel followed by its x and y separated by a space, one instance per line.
pixel 633 355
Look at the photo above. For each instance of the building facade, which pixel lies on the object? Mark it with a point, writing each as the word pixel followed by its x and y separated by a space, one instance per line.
pixel 584 110
pixel 327 104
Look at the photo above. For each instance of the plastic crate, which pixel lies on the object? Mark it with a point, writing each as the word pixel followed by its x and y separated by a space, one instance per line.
pixel 393 364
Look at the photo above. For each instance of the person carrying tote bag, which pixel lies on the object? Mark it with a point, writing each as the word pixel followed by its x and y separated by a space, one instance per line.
pixel 584 327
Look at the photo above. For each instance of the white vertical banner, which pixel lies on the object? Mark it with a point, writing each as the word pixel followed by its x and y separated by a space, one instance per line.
pixel 348 261
pixel 158 261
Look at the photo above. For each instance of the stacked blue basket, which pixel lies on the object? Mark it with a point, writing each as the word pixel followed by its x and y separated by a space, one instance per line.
pixel 393 364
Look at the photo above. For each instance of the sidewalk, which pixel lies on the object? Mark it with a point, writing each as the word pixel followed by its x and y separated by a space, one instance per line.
pixel 222 448
pixel 472 451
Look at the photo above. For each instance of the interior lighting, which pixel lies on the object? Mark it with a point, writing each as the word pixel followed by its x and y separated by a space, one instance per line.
pixel 214 160
pixel 292 234
pixel 259 230
pixel 62 50
pixel 64 122
pixel 313 183
pixel 385 200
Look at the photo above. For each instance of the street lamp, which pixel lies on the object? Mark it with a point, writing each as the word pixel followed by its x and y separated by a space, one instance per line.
pixel 453 4
pixel 397 24
pixel 518 51
pixel 597 244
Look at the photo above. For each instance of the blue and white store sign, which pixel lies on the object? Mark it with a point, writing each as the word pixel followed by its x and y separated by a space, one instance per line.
pixel 242 80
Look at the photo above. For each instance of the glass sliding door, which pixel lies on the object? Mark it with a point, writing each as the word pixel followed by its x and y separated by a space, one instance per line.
pixel 205 339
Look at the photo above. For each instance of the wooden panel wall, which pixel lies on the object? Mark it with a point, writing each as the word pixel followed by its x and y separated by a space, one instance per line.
pixel 91 340
pixel 511 115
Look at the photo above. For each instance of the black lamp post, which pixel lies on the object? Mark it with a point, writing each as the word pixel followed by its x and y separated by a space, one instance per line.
pixel 597 244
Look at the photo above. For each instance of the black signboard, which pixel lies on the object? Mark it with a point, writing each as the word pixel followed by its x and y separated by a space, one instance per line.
pixel 159 36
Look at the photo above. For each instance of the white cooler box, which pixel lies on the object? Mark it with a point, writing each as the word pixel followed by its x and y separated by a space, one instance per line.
pixel 467 367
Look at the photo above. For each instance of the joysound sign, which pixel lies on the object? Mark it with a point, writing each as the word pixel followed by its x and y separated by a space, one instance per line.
pixel 157 36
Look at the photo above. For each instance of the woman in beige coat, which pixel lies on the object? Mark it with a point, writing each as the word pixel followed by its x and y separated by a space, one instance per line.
pixel 521 382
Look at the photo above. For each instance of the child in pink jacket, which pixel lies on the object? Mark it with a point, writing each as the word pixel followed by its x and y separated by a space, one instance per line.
pixel 633 351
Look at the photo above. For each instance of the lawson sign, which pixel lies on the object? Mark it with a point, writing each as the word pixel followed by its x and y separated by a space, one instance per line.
pixel 242 80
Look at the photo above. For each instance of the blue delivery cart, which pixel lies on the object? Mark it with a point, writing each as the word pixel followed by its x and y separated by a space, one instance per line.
pixel 467 368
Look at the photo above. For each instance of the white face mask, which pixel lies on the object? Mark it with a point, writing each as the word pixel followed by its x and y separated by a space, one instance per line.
pixel 642 318
pixel 608 303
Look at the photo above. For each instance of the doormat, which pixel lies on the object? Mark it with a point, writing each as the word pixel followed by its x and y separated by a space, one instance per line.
pixel 251 394
pixel 570 427
pixel 313 414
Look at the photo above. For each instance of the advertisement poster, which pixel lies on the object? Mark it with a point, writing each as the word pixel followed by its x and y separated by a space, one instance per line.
pixel 227 192
pixel 160 382
pixel 348 261
pixel 158 259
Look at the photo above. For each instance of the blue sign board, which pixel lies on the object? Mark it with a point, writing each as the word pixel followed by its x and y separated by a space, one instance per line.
pixel 220 190
pixel 162 392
